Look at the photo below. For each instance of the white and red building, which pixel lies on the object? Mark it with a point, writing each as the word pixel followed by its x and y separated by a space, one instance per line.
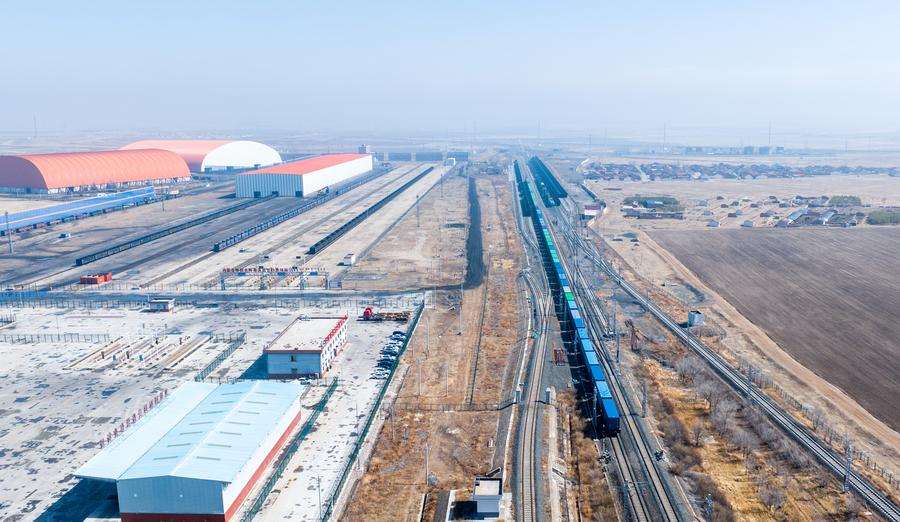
pixel 302 178
pixel 306 348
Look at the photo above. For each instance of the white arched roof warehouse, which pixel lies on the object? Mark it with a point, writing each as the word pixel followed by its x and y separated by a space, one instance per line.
pixel 211 155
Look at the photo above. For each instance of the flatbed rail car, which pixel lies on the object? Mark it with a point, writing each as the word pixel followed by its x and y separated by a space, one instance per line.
pixel 575 331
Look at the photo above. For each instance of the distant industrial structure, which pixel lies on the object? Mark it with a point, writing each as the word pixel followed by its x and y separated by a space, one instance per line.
pixel 306 348
pixel 139 163
pixel 82 171
pixel 302 178
pixel 198 454
pixel 215 155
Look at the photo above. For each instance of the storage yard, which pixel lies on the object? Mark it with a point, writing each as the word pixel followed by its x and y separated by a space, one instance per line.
pixel 114 332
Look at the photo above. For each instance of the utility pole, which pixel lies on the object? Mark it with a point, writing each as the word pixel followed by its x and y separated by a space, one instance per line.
pixel 848 468
pixel 708 508
pixel 8 235
pixel 461 301
pixel 319 487
pixel 417 211
pixel 426 464
pixel 643 398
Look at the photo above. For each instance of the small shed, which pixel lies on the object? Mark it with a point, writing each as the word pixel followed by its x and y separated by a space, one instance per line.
pixel 695 318
pixel 162 304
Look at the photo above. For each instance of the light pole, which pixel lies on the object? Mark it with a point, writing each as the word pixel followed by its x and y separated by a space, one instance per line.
pixel 319 487
pixel 8 236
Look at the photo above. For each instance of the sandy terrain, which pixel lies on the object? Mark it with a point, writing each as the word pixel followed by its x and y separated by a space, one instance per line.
pixel 13 204
pixel 432 254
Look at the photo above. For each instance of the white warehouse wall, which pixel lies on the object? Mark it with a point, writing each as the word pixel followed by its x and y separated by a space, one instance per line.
pixel 240 154
pixel 288 185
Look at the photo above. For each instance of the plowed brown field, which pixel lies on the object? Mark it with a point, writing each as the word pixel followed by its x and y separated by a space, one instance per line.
pixel 829 297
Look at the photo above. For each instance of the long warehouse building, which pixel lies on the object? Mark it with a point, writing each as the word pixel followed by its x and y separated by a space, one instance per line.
pixel 197 455
pixel 302 178
pixel 215 155
pixel 76 171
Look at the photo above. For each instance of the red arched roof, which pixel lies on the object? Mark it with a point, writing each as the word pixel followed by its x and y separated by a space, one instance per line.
pixel 76 169
pixel 192 151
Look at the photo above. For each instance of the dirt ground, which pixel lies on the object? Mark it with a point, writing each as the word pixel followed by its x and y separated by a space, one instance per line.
pixel 432 254
pixel 830 298
pixel 14 204
pixel 650 267
pixel 460 444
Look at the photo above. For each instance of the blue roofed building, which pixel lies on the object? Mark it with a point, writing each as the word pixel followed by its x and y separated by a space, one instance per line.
pixel 197 455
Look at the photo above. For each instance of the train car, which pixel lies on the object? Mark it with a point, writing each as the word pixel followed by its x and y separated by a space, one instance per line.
pixel 606 411
pixel 577 321
pixel 609 416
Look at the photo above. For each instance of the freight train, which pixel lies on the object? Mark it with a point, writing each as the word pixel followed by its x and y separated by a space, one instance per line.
pixel 606 412
pixel 549 188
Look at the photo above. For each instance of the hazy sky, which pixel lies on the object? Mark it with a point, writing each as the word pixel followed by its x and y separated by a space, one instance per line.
pixel 372 66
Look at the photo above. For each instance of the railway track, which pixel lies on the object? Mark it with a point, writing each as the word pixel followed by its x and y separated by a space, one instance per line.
pixel 648 492
pixel 213 281
pixel 832 461
pixel 527 483
pixel 470 392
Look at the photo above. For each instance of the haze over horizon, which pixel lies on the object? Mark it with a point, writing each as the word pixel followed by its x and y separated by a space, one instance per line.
pixel 806 67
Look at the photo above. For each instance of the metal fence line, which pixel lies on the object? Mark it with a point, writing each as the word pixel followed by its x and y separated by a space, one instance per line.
pixel 286 456
pixel 348 467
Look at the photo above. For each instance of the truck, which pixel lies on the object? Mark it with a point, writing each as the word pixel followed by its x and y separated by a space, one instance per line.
pixel 95 279
pixel 371 315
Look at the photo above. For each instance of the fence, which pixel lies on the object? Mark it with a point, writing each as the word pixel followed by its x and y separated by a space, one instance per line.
pixel 55 338
pixel 129 421
pixel 335 494
pixel 288 453
pixel 462 406
pixel 232 346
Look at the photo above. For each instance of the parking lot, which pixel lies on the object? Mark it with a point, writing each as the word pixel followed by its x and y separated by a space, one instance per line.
pixel 316 467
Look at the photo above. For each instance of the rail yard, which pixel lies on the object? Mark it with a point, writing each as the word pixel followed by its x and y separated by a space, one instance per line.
pixel 478 339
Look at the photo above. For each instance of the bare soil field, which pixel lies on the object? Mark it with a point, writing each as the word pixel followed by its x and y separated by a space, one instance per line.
pixel 830 298
pixel 14 204
pixel 440 363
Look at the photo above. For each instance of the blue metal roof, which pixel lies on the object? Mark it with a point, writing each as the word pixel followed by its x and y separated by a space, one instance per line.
pixel 79 207
pixel 202 431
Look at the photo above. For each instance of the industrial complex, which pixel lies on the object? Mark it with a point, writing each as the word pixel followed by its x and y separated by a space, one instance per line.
pixel 223 331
